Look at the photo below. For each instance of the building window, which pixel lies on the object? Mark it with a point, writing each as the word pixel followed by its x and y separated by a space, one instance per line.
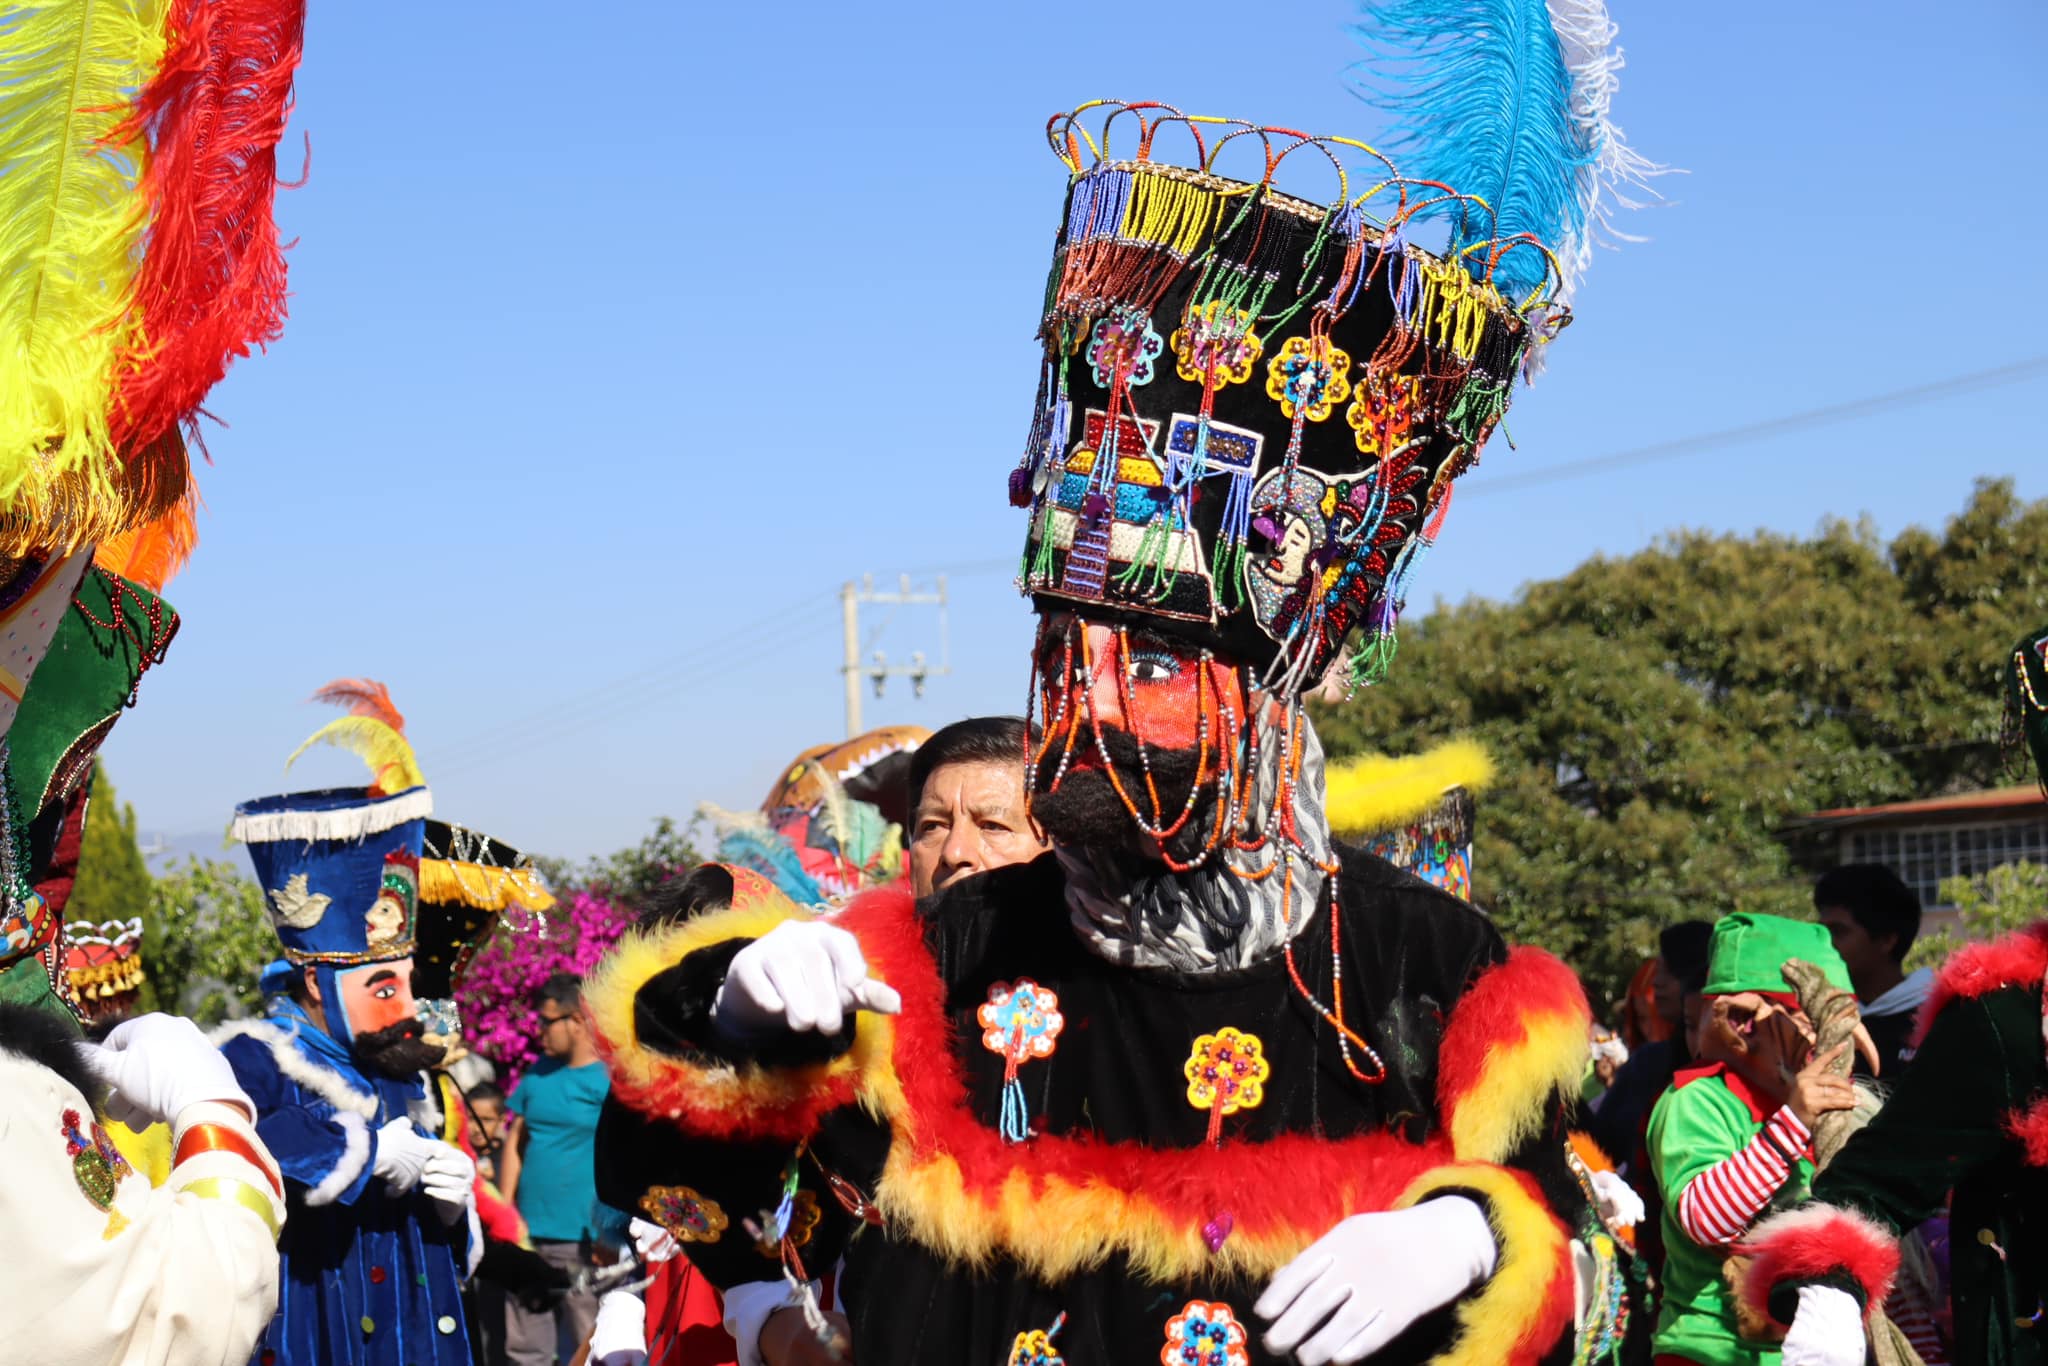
pixel 1926 855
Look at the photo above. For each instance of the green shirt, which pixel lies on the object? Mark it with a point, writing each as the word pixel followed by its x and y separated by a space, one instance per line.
pixel 558 1177
pixel 1703 1120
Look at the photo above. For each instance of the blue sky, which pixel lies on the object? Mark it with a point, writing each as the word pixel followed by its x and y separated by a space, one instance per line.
pixel 618 342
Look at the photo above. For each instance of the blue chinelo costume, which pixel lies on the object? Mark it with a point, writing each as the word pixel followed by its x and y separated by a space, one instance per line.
pixel 369 1275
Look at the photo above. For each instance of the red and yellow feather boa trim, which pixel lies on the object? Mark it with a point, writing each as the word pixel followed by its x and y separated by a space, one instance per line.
pixel 1517 1039
pixel 1526 1305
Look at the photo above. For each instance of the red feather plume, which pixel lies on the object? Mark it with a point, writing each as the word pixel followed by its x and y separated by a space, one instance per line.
pixel 363 697
pixel 212 281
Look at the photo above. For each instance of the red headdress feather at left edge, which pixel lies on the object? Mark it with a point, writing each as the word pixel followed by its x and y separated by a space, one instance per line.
pixel 212 281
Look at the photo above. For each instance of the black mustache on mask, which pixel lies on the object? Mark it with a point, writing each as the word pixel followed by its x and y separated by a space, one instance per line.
pixel 397 1051
pixel 1086 811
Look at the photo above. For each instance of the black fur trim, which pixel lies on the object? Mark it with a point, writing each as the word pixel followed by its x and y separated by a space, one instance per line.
pixel 50 1041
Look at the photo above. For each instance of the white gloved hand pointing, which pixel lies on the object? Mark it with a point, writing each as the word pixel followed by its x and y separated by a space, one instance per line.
pixel 1358 1286
pixel 1827 1330
pixel 157 1066
pixel 402 1154
pixel 802 975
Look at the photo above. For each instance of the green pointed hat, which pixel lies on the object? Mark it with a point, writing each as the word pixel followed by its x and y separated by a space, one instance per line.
pixel 1749 952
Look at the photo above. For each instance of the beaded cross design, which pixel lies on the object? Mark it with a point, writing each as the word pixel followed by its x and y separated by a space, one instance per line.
pixel 1019 1021
pixel 1226 1072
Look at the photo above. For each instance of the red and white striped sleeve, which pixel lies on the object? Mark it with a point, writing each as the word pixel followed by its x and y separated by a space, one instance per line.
pixel 1720 1204
pixel 217 1156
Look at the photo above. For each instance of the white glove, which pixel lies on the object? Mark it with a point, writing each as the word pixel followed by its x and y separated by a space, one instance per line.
pixel 1359 1285
pixel 747 1311
pixel 1827 1330
pixel 619 1337
pixel 1620 1206
pixel 402 1153
pixel 801 975
pixel 156 1066
pixel 654 1243
pixel 448 1176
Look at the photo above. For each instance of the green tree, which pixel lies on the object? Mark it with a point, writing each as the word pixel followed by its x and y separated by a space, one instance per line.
pixel 2007 898
pixel 113 881
pixel 1657 719
pixel 206 940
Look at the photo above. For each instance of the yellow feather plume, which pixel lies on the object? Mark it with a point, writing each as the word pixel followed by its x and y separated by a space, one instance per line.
pixel 1375 792
pixel 71 223
pixel 378 745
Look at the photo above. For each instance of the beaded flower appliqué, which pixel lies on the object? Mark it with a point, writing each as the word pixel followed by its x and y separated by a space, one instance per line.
pixel 1226 1072
pixel 1204 1334
pixel 1019 1021
pixel 1122 348
pixel 688 1216
pixel 1215 347
pixel 1307 383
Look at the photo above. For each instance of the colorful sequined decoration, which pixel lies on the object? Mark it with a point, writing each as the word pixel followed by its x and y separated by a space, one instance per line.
pixel 1308 384
pixel 1122 348
pixel 1204 1334
pixel 688 1216
pixel 97 1166
pixel 1226 1072
pixel 1035 1347
pixel 1019 1022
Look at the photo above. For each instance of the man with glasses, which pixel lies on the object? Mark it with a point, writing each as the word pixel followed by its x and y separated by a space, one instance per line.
pixel 546 1169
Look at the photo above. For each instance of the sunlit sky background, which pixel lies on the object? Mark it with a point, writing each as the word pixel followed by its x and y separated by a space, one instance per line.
pixel 621 336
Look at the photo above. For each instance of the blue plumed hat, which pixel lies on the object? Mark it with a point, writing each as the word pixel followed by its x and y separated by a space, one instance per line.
pixel 340 868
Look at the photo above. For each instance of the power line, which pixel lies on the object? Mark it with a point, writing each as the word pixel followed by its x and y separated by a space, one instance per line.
pixel 1911 397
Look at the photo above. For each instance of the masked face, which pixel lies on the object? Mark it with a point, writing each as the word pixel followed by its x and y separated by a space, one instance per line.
pixel 1762 1040
pixel 1140 735
pixel 385 1032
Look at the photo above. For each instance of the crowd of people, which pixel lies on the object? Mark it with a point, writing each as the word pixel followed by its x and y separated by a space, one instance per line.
pixel 1128 1030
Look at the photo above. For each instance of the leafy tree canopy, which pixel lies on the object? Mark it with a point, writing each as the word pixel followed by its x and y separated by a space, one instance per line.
pixel 1658 718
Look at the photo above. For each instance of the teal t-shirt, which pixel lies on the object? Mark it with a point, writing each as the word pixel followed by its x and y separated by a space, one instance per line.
pixel 558 1176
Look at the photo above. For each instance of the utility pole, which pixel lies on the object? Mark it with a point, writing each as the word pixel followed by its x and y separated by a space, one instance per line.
pixel 851 596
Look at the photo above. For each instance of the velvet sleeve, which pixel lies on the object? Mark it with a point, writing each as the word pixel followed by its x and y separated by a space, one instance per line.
pixel 326 1152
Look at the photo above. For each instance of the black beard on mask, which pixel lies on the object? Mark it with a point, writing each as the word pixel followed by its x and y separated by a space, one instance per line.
pixel 397 1051
pixel 1087 814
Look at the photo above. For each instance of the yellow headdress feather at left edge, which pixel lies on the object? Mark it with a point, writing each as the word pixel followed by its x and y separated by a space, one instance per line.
pixel 1375 792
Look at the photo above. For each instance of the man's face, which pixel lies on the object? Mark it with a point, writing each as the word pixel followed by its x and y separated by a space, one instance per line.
pixel 970 818
pixel 1133 723
pixel 1866 956
pixel 560 1028
pixel 385 1032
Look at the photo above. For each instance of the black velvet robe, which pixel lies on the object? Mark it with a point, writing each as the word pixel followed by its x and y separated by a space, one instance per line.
pixel 1410 953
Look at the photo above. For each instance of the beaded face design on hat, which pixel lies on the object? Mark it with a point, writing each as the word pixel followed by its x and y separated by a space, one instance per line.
pixel 1251 408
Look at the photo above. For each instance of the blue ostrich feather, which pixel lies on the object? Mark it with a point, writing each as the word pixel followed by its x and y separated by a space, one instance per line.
pixel 1509 100
pixel 1481 99
pixel 770 855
